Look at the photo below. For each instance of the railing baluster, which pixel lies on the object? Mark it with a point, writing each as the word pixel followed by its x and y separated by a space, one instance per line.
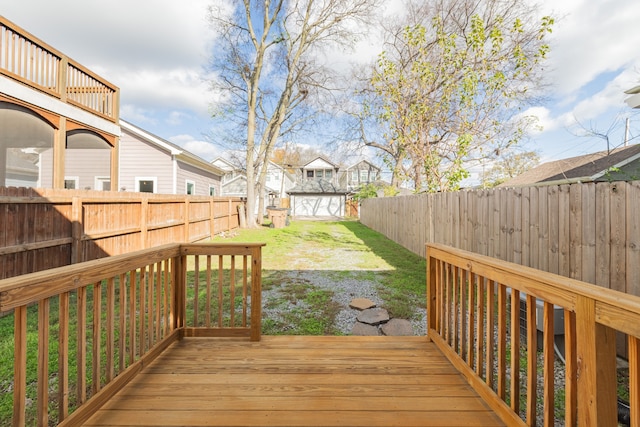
pixel 480 320
pixel 63 356
pixel 232 292
pixel 244 291
pixel 81 346
pixel 220 289
pixel 502 341
pixel 122 311
pixel 43 363
pixel 515 350
pixel 491 313
pixel 548 375
pixel 19 365
pixel 111 326
pixel 96 338
pixel 196 290
pixel 571 370
pixel 209 302
pixel 471 319
pixel 634 380
pixel 158 290
pixel 532 360
pixel 132 316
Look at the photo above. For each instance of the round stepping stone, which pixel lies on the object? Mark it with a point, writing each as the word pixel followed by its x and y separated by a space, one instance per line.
pixel 373 316
pixel 361 304
pixel 363 330
pixel 397 328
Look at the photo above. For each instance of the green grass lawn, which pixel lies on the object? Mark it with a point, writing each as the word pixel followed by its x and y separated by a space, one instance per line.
pixel 335 251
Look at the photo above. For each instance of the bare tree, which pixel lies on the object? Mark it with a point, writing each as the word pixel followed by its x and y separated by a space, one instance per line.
pixel 508 166
pixel 270 66
pixel 450 85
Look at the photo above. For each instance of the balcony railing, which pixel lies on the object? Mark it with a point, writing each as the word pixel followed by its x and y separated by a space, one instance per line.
pixel 475 309
pixel 83 331
pixel 27 59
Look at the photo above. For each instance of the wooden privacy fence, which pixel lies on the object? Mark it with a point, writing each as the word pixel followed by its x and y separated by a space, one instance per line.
pixel 81 332
pixel 473 306
pixel 588 232
pixel 41 228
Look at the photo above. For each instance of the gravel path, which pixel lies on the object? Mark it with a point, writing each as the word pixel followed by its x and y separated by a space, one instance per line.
pixel 344 291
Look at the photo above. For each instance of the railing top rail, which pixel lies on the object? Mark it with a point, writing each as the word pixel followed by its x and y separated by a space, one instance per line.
pixel 30 288
pixel 556 289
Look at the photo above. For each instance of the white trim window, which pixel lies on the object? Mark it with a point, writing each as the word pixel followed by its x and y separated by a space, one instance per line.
pixel 190 187
pixel 147 184
pixel 72 182
pixel 212 190
pixel 102 183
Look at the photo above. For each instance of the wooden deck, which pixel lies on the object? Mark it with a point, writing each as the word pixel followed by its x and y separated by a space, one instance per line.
pixel 298 381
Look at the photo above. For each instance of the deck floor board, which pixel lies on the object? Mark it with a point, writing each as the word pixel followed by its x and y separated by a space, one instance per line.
pixel 298 381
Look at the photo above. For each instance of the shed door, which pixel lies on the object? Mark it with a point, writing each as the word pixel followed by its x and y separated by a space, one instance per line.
pixel 318 205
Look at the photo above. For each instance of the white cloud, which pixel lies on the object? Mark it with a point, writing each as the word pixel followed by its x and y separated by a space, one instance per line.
pixel 200 148
pixel 591 37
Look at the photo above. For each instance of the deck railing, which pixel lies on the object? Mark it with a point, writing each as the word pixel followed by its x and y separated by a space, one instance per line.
pixel 474 306
pixel 81 332
pixel 31 61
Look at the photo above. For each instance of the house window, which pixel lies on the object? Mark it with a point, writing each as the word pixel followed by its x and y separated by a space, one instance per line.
pixel 191 187
pixel 146 185
pixel 212 190
pixel 71 182
pixel 309 174
pixel 103 183
pixel 319 174
pixel 364 176
pixel 354 175
pixel 327 174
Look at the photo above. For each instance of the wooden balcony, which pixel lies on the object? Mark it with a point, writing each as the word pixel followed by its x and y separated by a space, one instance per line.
pixel 171 336
pixel 30 61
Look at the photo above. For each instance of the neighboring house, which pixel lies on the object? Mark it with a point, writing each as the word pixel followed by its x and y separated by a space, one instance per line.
pixel 234 180
pixel 360 174
pixel 320 169
pixel 151 164
pixel 621 164
pixel 318 194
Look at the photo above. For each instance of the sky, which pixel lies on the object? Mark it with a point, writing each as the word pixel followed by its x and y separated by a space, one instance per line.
pixel 157 52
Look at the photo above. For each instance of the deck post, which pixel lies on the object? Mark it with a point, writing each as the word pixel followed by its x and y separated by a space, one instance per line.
pixel 596 355
pixel 256 293
pixel 178 307
pixel 431 291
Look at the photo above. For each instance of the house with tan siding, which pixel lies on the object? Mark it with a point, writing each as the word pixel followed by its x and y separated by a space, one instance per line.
pixel 148 163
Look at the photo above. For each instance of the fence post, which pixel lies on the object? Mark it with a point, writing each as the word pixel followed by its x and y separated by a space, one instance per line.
pixel 212 218
pixel 596 355
pixel 187 232
pixel 144 212
pixel 76 230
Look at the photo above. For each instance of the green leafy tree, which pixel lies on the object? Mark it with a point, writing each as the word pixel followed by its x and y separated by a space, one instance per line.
pixel 509 166
pixel 450 85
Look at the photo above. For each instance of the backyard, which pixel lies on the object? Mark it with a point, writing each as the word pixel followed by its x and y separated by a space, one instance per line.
pixel 313 269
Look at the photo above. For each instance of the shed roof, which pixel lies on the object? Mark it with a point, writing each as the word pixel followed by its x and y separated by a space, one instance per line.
pixel 319 186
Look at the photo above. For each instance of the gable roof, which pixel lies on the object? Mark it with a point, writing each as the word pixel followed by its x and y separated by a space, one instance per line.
pixel 173 149
pixel 371 165
pixel 319 186
pixel 319 163
pixel 585 168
